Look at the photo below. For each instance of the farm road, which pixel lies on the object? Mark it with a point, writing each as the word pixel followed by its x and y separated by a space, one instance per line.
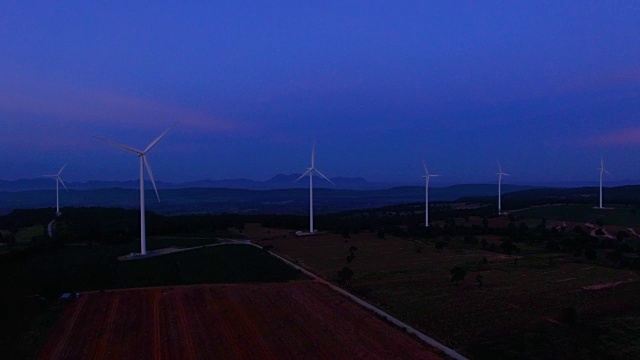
pixel 395 321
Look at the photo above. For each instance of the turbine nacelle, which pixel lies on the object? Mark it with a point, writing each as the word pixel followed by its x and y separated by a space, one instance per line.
pixel 602 169
pixel 142 154
pixel 427 175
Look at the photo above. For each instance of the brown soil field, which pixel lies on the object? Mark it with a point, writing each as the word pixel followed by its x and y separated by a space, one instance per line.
pixel 295 320
pixel 519 301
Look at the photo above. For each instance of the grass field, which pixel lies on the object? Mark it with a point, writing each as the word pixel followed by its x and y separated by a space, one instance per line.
pixel 618 216
pixel 295 320
pixel 517 312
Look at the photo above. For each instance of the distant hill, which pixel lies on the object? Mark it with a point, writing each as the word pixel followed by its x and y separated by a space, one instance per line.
pixel 629 194
pixel 279 181
pixel 623 195
pixel 221 200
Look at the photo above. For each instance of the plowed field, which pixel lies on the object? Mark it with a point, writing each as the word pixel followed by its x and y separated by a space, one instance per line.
pixel 295 320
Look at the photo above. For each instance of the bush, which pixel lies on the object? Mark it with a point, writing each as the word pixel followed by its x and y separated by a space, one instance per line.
pixel 457 274
pixel 345 275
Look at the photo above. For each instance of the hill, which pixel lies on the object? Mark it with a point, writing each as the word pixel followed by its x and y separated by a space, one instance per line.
pixel 227 200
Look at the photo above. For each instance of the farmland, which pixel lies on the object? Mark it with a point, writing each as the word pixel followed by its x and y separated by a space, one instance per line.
pixel 618 216
pixel 295 320
pixel 516 313
pixel 32 284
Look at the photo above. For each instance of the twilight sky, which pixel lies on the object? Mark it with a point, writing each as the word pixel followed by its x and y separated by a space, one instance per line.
pixel 544 87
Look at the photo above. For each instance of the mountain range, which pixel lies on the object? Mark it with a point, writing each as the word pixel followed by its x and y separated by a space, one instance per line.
pixel 280 181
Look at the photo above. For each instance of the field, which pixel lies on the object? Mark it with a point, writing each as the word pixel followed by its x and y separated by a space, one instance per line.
pixel 518 311
pixel 295 320
pixel 30 285
pixel 623 216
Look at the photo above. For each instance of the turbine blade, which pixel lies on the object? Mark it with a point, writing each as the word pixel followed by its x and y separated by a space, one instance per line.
pixel 62 168
pixel 125 147
pixel 154 142
pixel 324 177
pixel 313 155
pixel 62 182
pixel 153 182
pixel 425 168
pixel 303 175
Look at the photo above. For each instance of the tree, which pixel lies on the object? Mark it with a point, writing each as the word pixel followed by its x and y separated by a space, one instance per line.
pixel 457 274
pixel 439 245
pixel 351 255
pixel 479 280
pixel 345 275
pixel 485 222
pixel 621 235
pixel 507 246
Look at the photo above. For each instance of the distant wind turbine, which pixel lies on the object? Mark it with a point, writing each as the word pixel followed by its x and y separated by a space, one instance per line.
pixel 426 177
pixel 310 172
pixel 500 173
pixel 58 181
pixel 142 154
pixel 602 171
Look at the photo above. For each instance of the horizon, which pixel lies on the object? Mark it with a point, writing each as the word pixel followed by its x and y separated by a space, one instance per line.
pixel 546 89
pixel 377 184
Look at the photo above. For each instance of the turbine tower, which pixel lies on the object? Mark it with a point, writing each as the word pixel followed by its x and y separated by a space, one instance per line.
pixel 142 154
pixel 602 171
pixel 426 177
pixel 310 172
pixel 500 173
pixel 58 181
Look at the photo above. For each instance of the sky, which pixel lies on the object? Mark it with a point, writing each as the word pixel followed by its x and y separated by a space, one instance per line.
pixel 544 87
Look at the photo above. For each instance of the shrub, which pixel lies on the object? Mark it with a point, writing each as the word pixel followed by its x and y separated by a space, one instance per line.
pixel 457 274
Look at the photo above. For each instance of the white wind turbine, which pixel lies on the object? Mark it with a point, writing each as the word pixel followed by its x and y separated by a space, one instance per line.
pixel 602 171
pixel 58 181
pixel 310 172
pixel 426 177
pixel 142 154
pixel 500 173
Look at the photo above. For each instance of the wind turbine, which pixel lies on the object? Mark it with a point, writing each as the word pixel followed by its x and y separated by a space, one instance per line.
pixel 500 173
pixel 426 177
pixel 310 172
pixel 58 181
pixel 602 171
pixel 142 154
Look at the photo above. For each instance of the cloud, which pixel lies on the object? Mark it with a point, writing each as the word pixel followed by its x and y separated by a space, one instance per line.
pixel 73 104
pixel 622 137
